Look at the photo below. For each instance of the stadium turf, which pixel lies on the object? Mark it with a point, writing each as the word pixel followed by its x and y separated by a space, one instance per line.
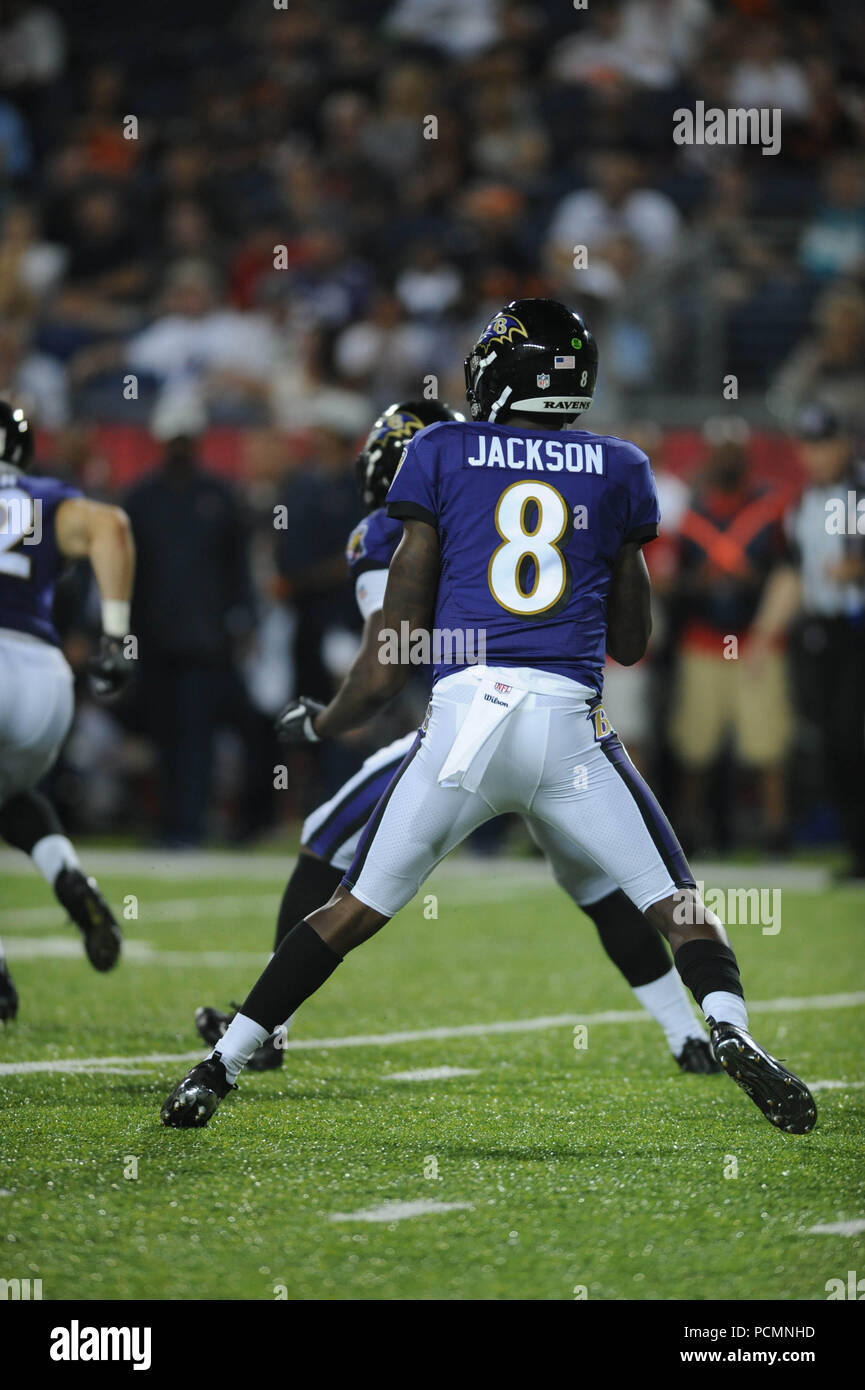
pixel 553 1169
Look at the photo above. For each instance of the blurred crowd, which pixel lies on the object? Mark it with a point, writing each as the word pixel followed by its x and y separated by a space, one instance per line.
pixel 282 217
pixel 300 209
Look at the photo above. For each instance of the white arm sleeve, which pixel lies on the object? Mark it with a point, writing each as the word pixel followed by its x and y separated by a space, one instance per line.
pixel 369 591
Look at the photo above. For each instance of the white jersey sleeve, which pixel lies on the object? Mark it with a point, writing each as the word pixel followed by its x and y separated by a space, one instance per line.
pixel 369 590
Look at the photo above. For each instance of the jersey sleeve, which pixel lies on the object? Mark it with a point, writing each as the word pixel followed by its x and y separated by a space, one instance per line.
pixel 52 491
pixel 644 509
pixel 413 494
pixel 371 544
pixel 369 552
pixel 369 590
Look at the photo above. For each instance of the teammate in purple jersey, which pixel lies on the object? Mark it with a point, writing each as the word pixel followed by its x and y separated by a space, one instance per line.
pixel 44 523
pixel 531 533
pixel 331 833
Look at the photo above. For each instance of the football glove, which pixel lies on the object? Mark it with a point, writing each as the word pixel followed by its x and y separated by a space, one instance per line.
pixel 294 723
pixel 111 668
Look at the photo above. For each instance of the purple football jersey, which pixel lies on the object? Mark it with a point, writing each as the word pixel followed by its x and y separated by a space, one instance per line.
pixel 372 543
pixel 29 559
pixel 530 522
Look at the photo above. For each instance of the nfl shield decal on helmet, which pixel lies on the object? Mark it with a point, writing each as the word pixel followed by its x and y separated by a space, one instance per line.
pixel 543 380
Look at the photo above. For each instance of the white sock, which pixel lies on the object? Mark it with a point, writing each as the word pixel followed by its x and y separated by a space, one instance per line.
pixel 666 999
pixel 53 853
pixel 237 1044
pixel 726 1008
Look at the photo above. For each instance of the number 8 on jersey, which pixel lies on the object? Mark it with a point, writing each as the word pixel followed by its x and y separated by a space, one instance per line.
pixel 509 570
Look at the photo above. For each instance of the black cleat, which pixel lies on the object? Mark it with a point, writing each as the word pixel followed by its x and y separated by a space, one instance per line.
pixel 8 994
pixel 194 1100
pixel 212 1023
pixel 269 1055
pixel 697 1056
pixel 92 915
pixel 782 1097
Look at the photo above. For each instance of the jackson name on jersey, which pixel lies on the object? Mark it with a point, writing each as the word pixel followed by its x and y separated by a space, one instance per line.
pixel 541 455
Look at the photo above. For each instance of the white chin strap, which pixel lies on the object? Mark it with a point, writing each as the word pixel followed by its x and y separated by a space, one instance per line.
pixel 497 405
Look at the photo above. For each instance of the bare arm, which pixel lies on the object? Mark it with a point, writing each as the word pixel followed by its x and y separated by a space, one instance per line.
pixel 409 598
pixel 780 603
pixel 101 533
pixel 629 613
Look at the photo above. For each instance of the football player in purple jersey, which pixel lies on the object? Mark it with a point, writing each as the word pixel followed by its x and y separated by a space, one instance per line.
pixel 44 523
pixel 528 533
pixel 331 833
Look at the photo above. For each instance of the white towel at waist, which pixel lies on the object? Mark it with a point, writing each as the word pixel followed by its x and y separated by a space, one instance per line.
pixel 480 732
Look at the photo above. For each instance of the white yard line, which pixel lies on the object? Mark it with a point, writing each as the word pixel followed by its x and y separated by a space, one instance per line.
pixel 400 1211
pixel 101 1064
pixel 838 1228
pixel 163 910
pixel 463 1030
pixel 134 952
pixel 835 1085
pixel 165 864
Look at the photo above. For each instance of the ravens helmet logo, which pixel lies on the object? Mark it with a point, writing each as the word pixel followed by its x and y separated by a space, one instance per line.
pixel 399 425
pixel 502 329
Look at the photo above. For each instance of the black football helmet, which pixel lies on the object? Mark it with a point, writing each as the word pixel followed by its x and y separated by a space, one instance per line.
pixel 535 357
pixel 16 437
pixel 379 458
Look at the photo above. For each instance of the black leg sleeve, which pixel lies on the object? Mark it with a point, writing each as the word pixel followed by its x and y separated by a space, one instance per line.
pixel 26 818
pixel 300 966
pixel 634 946
pixel 311 884
pixel 706 967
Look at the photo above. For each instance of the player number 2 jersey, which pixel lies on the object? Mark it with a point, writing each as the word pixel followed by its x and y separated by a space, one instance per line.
pixel 530 522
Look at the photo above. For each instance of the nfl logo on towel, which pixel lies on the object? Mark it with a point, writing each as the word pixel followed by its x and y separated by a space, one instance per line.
pixel 564 362
pixel 543 380
pixel 502 689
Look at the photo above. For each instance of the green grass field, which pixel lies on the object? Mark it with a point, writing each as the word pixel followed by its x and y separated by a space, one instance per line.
pixel 601 1168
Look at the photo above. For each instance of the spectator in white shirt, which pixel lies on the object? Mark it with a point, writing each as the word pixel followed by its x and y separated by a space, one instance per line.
pixel 460 28
pixel 223 355
pixel 765 78
pixel 644 42
pixel 616 206
pixel 227 355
